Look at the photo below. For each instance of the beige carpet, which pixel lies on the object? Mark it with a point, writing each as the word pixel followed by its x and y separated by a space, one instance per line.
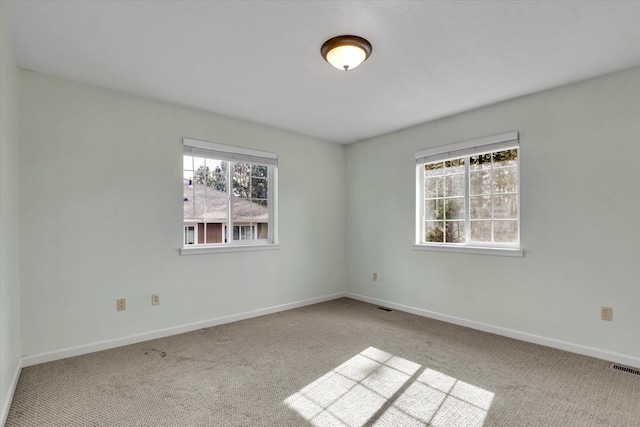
pixel 339 363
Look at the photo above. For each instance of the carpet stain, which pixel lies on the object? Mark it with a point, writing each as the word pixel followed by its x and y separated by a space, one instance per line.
pixel 154 351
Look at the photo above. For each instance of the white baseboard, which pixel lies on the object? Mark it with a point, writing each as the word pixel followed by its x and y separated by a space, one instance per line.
pixel 510 333
pixel 133 339
pixel 6 404
pixel 152 335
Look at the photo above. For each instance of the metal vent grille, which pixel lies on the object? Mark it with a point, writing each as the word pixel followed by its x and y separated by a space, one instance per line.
pixel 625 369
pixel 385 308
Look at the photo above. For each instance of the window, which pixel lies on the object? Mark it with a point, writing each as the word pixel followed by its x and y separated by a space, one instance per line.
pixel 228 196
pixel 468 196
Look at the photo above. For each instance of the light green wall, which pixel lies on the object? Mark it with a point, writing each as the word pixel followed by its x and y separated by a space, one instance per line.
pixel 9 262
pixel 101 213
pixel 580 199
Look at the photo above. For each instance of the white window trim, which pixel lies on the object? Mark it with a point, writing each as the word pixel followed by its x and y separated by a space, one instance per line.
pixel 469 249
pixel 216 249
pixel 239 154
pixel 464 148
pixel 234 153
pixel 457 150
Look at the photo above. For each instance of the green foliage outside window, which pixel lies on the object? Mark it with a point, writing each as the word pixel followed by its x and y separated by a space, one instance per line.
pixel 248 181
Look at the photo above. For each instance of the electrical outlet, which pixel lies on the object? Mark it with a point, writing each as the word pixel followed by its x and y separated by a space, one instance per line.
pixel 375 277
pixel 121 304
pixel 606 313
pixel 155 299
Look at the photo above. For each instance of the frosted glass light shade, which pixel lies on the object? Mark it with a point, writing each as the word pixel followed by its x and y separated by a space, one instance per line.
pixel 346 52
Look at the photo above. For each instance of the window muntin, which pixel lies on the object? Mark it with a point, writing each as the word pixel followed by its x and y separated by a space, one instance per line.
pixel 228 195
pixel 470 197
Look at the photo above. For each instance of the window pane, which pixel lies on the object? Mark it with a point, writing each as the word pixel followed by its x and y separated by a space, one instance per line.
pixel 454 185
pixel 260 216
pixel 433 187
pixel 213 232
pixel 259 188
pixel 215 165
pixel 187 162
pixel 505 180
pixel 434 169
pixel 241 179
pixel 481 162
pixel 481 231
pixel 204 176
pixel 455 232
pixel 454 166
pixel 249 213
pixel 480 182
pixel 189 235
pixel 197 162
pixel 263 230
pixel 505 231
pixel 200 233
pixel 480 207
pixel 505 206
pixel 454 208
pixel 218 182
pixel 433 209
pixel 188 196
pixel 212 174
pixel 434 231
pixel 505 158
pixel 242 211
pixel 259 171
pixel 244 232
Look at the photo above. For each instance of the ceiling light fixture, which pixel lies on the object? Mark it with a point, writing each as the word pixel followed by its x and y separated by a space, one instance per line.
pixel 346 52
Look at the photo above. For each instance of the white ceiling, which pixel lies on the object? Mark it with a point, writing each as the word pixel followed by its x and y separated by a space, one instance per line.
pixel 260 60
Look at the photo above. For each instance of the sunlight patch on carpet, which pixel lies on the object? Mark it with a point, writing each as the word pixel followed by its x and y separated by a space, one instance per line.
pixel 385 390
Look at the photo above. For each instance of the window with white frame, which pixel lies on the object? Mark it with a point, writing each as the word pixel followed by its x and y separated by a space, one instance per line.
pixel 468 194
pixel 228 195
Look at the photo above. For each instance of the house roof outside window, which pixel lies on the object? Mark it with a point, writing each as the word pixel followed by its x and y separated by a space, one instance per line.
pixel 205 204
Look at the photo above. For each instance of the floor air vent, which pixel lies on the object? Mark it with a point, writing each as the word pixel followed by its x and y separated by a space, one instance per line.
pixel 385 308
pixel 625 369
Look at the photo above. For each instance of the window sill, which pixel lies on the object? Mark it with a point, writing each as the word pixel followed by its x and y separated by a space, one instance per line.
pixel 228 248
pixel 481 250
